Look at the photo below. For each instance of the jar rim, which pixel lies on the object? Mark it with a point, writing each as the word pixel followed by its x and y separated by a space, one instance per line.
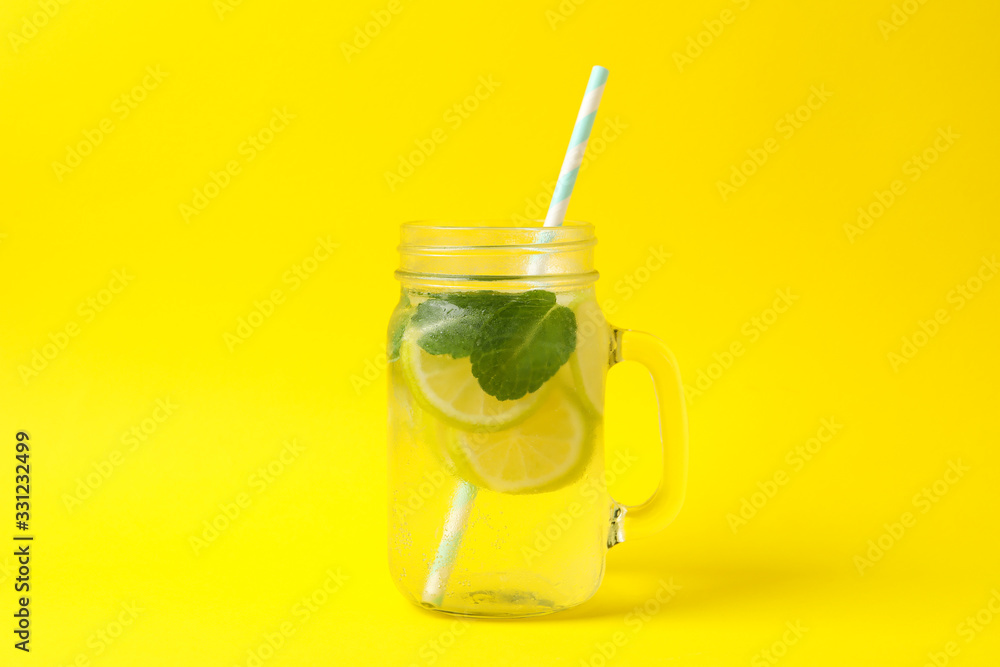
pixel 430 237
pixel 505 253
pixel 473 225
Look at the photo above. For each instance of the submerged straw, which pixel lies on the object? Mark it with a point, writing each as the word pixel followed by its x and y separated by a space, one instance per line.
pixel 461 506
pixel 465 494
pixel 577 147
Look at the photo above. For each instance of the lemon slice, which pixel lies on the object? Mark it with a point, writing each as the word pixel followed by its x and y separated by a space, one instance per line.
pixel 546 451
pixel 589 361
pixel 446 388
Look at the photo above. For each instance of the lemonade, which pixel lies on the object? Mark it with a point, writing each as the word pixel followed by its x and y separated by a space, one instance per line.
pixel 500 392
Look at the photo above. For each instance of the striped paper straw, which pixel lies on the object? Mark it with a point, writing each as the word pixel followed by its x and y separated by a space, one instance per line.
pixel 451 537
pixel 577 146
pixel 465 494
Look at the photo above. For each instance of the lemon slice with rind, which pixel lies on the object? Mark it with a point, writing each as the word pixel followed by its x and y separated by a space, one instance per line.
pixel 589 361
pixel 547 451
pixel 446 388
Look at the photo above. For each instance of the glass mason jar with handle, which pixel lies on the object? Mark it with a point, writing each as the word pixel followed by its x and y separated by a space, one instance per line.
pixel 498 354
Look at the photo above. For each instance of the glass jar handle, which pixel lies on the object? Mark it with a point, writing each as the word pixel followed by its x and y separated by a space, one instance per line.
pixel 663 506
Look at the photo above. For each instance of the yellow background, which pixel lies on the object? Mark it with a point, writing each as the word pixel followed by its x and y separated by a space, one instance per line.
pixel 304 373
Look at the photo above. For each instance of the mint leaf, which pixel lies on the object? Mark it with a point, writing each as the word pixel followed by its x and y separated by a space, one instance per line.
pixel 450 324
pixel 480 300
pixel 522 344
pixel 446 328
pixel 397 325
pixel 396 328
pixel 516 342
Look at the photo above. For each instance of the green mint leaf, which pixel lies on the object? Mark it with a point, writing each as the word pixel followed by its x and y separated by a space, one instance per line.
pixel 483 300
pixel 449 324
pixel 445 328
pixel 396 328
pixel 397 325
pixel 522 344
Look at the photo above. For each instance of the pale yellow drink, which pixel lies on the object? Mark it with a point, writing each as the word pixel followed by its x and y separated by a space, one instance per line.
pixel 535 536
pixel 498 355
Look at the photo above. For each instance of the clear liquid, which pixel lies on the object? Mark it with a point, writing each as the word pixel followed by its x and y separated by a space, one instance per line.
pixel 533 551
